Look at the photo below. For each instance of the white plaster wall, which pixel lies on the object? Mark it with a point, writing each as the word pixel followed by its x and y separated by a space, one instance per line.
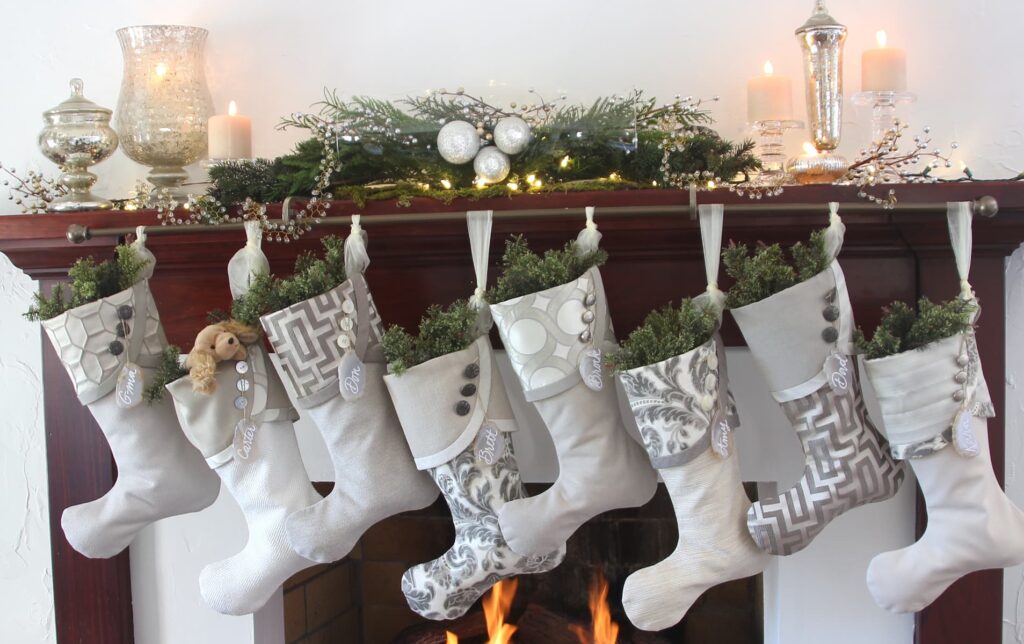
pixel 275 58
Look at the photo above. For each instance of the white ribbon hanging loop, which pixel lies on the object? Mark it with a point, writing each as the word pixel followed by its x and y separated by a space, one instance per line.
pixel 959 216
pixel 479 224
pixel 356 257
pixel 835 232
pixel 249 261
pixel 590 237
pixel 712 217
pixel 143 253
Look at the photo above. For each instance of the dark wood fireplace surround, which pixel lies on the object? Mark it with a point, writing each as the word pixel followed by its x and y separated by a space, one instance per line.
pixel 887 255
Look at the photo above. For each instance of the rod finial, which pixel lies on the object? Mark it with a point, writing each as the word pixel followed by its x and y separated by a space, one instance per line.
pixel 78 233
pixel 986 206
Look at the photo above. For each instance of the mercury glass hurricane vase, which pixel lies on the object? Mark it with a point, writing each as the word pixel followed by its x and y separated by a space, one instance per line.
pixel 164 105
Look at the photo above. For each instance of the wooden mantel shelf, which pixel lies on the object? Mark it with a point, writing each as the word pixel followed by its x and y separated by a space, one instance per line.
pixel 887 255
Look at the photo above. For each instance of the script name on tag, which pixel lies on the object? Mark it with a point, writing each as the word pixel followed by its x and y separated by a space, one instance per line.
pixel 351 376
pixel 129 386
pixel 490 444
pixel 245 438
pixel 964 440
pixel 838 370
pixel 720 440
pixel 590 368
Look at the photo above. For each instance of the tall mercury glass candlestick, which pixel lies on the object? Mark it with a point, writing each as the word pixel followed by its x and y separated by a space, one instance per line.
pixel 821 39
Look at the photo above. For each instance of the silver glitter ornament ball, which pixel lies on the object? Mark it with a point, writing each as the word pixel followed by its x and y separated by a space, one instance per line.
pixel 492 165
pixel 512 134
pixel 458 142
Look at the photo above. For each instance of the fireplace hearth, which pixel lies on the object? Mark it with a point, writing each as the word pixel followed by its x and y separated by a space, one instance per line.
pixel 359 599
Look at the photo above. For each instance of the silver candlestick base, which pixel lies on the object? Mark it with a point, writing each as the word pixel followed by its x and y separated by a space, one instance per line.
pixel 883 109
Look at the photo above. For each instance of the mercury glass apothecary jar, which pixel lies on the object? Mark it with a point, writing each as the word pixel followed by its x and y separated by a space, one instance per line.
pixel 164 105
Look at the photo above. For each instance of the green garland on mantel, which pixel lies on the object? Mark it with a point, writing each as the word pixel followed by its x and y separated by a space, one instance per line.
pixel 382 150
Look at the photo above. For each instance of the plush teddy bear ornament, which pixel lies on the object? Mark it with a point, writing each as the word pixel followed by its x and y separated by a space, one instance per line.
pixel 216 343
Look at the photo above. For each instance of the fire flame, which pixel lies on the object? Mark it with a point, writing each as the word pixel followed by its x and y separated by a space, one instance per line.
pixel 451 638
pixel 602 629
pixel 880 36
pixel 768 68
pixel 232 108
pixel 809 149
pixel 496 606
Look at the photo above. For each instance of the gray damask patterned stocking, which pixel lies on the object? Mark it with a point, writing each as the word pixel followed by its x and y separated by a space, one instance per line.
pixel 458 422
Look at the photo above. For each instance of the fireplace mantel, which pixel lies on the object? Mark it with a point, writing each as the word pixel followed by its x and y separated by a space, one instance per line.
pixel 887 255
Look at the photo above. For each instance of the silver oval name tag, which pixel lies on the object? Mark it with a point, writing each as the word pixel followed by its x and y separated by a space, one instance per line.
pixel 964 440
pixel 130 384
pixel 351 376
pixel 245 438
pixel 490 444
pixel 720 440
pixel 838 371
pixel 591 368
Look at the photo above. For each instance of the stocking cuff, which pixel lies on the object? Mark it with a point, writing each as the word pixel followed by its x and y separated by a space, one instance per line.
pixel 306 338
pixel 546 333
pixel 443 402
pixel 922 391
pixel 675 402
pixel 791 333
pixel 209 420
pixel 84 336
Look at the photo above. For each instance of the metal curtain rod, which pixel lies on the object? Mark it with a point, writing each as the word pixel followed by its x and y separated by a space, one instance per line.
pixel 984 206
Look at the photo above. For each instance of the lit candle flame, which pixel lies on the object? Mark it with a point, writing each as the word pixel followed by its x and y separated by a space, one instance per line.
pixel 232 108
pixel 809 149
pixel 881 38
pixel 160 70
pixel 769 69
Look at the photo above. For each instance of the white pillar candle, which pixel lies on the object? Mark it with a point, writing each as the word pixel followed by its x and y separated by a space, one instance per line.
pixel 230 135
pixel 769 97
pixel 883 69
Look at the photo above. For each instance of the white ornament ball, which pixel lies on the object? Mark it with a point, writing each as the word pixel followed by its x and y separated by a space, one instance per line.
pixel 458 142
pixel 492 165
pixel 512 134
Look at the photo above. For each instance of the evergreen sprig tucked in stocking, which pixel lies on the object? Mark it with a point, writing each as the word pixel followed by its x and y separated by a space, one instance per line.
pixel 110 348
pixel 459 425
pixel 935 405
pixel 801 340
pixel 683 409
pixel 555 339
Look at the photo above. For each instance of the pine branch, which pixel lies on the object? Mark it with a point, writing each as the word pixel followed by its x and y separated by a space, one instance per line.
pixel 524 272
pixel 441 331
pixel 904 329
pixel 667 332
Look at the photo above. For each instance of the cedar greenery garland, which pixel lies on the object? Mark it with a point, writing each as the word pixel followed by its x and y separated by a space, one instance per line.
pixel 388 149
pixel 441 331
pixel 666 332
pixel 167 371
pixel 90 281
pixel 312 276
pixel 766 271
pixel 524 272
pixel 903 329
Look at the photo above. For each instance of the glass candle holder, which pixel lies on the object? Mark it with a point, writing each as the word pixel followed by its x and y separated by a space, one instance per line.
pixel 770 150
pixel 883 109
pixel 164 105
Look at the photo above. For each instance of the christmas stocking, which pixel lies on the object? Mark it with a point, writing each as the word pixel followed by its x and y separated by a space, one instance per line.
pixel 800 340
pixel 110 348
pixel 685 416
pixel 329 348
pixel 458 420
pixel 935 404
pixel 244 430
pixel 555 339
